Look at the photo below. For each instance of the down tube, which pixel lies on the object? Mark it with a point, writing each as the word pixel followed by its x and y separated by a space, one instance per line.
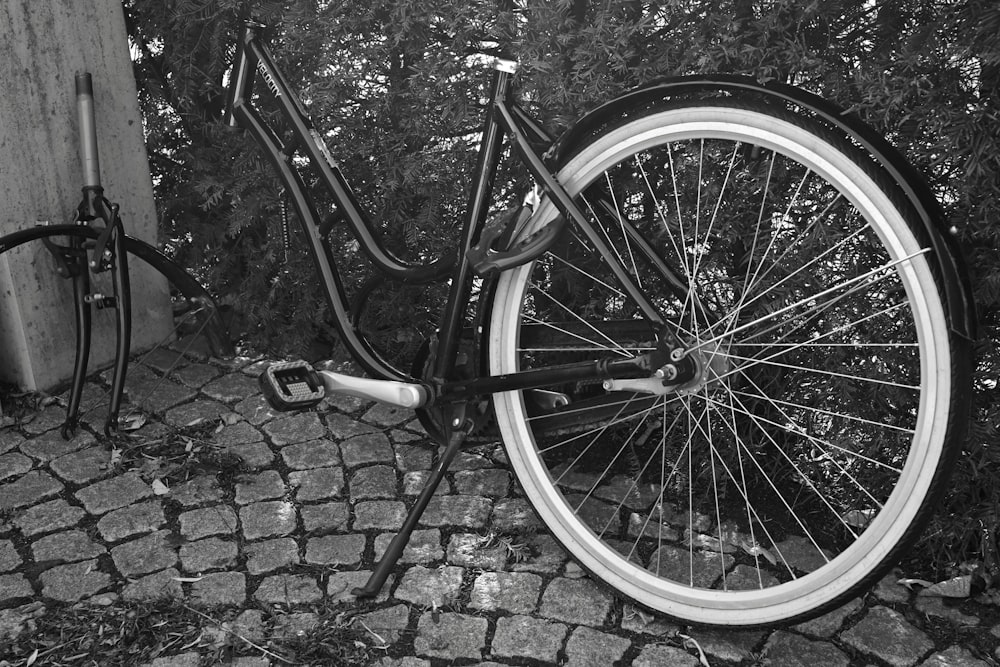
pixel 323 259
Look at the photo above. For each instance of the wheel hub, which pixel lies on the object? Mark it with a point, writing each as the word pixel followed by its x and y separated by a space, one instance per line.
pixel 690 369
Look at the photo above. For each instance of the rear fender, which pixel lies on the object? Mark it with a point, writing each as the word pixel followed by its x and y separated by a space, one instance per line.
pixel 946 253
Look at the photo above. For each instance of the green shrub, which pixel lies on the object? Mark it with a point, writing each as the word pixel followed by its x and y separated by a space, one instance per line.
pixel 387 83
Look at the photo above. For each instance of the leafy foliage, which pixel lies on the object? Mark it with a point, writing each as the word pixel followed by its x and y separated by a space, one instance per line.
pixel 386 82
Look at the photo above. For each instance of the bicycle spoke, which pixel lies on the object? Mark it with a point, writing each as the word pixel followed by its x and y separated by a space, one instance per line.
pixel 817 371
pixel 805 300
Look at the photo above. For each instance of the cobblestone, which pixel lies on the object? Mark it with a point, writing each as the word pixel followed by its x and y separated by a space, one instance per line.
pixel 472 550
pixel 240 433
pixel 388 623
pixel 424 546
pixel 317 484
pixel 528 637
pixel 84 466
pixel 294 428
pixel 231 388
pixel 413 457
pixel 423 586
pixel 414 482
pixel 386 415
pixel 13 586
pixel 492 483
pixel 144 555
pixel 27 490
pixel 68 546
pixel 515 592
pixel 156 586
pixel 450 636
pixel 14 465
pixel 267 519
pixel 254 455
pixel 546 556
pixel 313 454
pixel 191 414
pixel 69 583
pixel 48 516
pixel 264 486
pixel 9 559
pixel 196 375
pixel 587 647
pixel 377 481
pixel 658 655
pixel 197 491
pixel 276 546
pixel 288 589
pixel 343 427
pixel 132 520
pixel 51 445
pixel 575 601
pixel 515 515
pixel 214 520
pixel 830 622
pixel 335 550
pixel 220 588
pixel 463 511
pixel 790 650
pixel 112 494
pixel 249 625
pixel 379 514
pixel 366 449
pixel 211 553
pixel 731 645
pixel 340 584
pixel 954 656
pixel 886 634
pixel 270 555
pixel 256 410
pixel 325 517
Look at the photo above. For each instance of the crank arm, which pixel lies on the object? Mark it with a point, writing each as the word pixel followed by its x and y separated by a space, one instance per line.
pixel 294 385
pixel 391 392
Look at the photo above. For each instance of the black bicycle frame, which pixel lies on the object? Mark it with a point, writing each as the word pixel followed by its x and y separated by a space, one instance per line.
pixel 504 120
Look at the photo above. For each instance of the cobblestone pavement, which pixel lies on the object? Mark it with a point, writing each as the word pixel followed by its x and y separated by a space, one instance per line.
pixel 281 537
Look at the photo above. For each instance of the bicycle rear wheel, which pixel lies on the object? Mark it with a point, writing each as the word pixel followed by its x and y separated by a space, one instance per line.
pixel 817 430
pixel 184 321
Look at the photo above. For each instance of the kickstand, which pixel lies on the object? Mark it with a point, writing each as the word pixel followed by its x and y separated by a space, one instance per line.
pixel 456 436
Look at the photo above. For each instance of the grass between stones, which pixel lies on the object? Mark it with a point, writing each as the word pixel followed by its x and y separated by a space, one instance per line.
pixel 137 633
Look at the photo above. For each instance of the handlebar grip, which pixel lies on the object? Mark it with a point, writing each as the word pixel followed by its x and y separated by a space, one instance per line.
pixel 88 131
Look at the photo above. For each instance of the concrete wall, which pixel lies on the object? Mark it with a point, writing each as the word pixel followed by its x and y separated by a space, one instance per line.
pixel 44 45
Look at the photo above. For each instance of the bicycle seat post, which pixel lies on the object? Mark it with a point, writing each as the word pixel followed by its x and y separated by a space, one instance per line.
pixel 88 131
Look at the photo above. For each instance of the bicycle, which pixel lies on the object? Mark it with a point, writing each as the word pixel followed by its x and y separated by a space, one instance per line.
pixel 98 258
pixel 727 349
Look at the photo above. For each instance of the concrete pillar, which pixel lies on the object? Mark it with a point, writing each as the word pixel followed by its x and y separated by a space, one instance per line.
pixel 44 45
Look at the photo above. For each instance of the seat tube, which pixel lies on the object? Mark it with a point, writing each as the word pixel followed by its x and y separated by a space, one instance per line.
pixel 480 194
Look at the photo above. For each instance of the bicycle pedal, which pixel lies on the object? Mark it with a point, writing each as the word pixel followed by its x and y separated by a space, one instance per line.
pixel 291 385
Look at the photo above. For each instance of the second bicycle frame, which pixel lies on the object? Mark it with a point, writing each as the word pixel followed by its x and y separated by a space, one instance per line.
pixel 504 119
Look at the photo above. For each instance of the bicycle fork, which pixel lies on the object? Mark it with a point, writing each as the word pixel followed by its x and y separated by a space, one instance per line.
pixel 108 255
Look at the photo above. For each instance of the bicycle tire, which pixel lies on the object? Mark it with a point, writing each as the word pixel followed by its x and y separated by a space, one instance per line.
pixel 816 435
pixel 196 330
